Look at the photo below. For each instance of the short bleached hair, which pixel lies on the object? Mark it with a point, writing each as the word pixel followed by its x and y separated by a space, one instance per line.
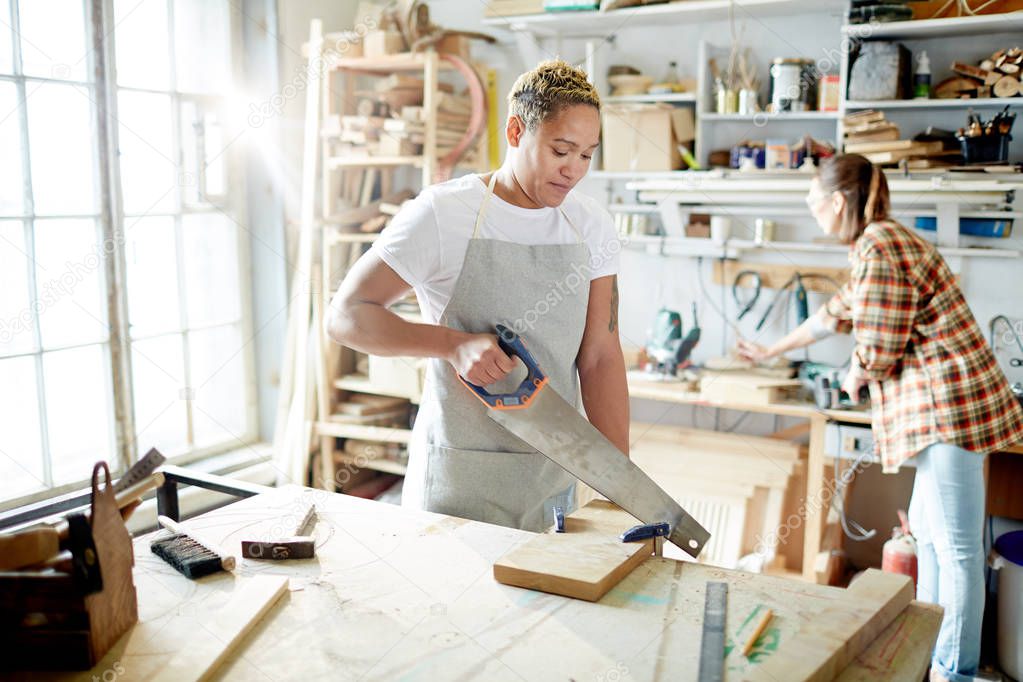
pixel 544 91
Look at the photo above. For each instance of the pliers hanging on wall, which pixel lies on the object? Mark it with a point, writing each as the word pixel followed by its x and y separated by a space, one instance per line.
pixel 746 305
pixel 802 307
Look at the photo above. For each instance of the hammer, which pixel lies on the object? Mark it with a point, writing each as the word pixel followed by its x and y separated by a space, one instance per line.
pixel 297 546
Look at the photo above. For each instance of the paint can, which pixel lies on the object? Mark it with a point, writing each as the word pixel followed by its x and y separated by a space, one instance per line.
pixel 763 231
pixel 793 84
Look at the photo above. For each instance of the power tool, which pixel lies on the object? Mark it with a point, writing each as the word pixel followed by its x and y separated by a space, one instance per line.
pixel 667 348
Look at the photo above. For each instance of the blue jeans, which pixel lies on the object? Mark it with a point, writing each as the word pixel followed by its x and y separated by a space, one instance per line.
pixel 946 515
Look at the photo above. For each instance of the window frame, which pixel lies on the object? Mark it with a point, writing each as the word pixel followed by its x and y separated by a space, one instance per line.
pixel 110 222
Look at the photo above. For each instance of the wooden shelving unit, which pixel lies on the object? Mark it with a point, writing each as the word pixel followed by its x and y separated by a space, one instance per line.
pixel 384 465
pixel 360 383
pixel 361 179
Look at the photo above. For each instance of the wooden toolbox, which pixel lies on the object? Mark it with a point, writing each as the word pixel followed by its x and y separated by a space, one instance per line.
pixel 47 623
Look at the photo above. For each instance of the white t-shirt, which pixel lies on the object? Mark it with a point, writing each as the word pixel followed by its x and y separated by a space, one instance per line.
pixel 426 242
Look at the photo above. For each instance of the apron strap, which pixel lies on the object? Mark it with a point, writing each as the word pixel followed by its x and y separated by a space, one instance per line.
pixel 483 204
pixel 578 234
pixel 486 199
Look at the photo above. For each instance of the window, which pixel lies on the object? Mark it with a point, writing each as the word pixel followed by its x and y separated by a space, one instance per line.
pixel 172 244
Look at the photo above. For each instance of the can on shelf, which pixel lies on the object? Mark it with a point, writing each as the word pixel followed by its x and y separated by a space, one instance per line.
pixel 793 84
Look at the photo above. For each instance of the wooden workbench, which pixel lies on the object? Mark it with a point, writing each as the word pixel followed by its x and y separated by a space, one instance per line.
pixel 818 419
pixel 401 594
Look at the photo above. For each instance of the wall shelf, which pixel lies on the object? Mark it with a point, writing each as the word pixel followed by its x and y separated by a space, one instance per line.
pixel 771 118
pixel 385 465
pixel 677 97
pixel 379 434
pixel 360 383
pixel 976 103
pixel 937 28
pixel 681 246
pixel 599 23
pixel 636 175
pixel 734 248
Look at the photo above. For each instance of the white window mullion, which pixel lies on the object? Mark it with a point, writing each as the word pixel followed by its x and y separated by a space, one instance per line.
pixel 28 225
pixel 111 225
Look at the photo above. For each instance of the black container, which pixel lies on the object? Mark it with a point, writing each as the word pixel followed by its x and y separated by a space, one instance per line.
pixel 985 148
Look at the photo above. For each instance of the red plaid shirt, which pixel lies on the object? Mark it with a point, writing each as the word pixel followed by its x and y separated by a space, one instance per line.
pixel 931 374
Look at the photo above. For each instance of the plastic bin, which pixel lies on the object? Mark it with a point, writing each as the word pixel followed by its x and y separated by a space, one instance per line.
pixel 985 148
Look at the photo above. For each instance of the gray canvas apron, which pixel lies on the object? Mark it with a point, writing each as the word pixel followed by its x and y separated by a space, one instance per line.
pixel 461 462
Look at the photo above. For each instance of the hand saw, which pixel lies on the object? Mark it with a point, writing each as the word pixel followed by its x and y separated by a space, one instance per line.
pixel 539 416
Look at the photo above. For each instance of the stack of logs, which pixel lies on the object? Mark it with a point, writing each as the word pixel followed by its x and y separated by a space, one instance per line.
pixel 997 76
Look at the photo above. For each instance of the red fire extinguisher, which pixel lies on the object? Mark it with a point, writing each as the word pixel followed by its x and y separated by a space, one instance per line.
pixel 899 553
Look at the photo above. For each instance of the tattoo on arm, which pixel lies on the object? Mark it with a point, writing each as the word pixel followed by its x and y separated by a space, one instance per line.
pixel 613 324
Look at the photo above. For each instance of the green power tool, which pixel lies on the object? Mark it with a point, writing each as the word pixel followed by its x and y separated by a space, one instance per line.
pixel 668 348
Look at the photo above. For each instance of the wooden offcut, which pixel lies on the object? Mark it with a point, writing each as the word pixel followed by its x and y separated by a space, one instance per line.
pixel 1006 86
pixel 828 642
pixel 27 547
pixel 584 562
pixel 743 389
pixel 893 146
pixel 970 71
pixel 217 638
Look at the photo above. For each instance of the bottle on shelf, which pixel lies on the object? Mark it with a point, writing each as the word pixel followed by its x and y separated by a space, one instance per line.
pixel 669 83
pixel 922 77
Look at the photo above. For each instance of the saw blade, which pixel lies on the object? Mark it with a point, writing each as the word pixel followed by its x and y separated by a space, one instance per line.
pixel 564 436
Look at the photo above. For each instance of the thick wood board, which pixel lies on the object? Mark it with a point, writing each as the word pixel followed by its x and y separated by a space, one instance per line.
pixel 831 639
pixel 584 562
pixel 902 652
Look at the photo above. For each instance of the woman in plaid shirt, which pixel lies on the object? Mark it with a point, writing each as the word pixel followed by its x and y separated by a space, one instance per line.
pixel 937 392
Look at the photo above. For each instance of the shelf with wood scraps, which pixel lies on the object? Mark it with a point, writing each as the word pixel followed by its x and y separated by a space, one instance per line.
pixel 383 65
pixel 596 22
pixel 934 103
pixel 374 161
pixel 680 246
pixel 379 434
pixel 353 237
pixel 360 383
pixel 385 465
pixel 919 29
pixel 670 98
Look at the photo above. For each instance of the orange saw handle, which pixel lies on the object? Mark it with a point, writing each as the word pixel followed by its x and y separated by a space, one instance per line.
pixel 512 344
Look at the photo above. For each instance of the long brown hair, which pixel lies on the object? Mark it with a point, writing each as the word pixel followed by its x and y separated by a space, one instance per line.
pixel 865 190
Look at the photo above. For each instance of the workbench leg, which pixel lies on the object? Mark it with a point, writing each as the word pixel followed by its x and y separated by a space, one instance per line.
pixel 815 502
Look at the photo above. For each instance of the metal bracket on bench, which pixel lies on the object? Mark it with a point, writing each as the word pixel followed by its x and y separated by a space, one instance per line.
pixel 167 494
